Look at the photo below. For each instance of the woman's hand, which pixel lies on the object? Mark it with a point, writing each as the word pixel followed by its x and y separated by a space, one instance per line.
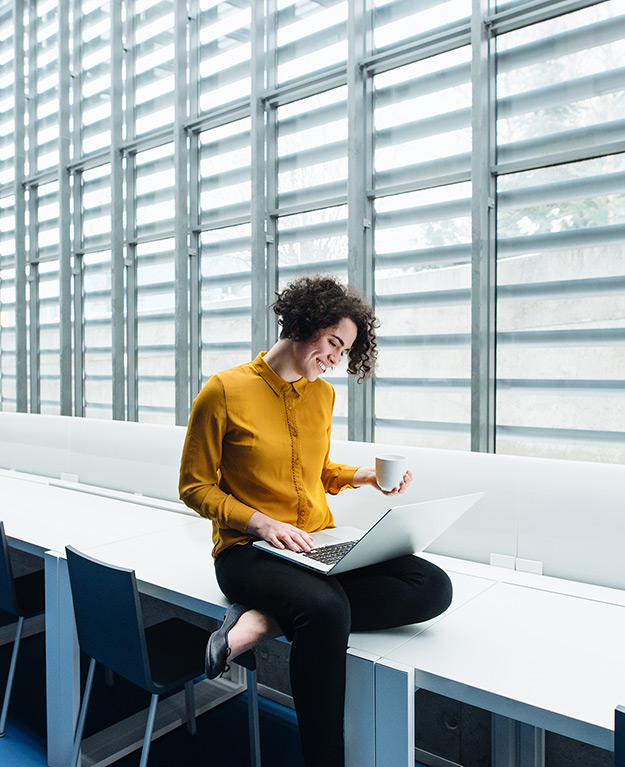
pixel 279 534
pixel 365 475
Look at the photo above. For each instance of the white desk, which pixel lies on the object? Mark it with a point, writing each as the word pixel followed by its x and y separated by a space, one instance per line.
pixel 371 728
pixel 38 518
pixel 507 665
pixel 515 665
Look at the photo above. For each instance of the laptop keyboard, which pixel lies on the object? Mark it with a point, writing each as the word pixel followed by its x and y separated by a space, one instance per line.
pixel 330 555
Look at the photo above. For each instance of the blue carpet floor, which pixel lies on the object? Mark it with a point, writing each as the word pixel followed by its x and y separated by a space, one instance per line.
pixel 221 740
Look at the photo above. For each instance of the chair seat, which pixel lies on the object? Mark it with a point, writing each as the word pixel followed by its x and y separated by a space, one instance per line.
pixel 30 594
pixel 176 651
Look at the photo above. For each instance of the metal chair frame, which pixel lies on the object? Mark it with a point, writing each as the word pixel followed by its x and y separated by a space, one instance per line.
pixel 22 597
pixel 111 631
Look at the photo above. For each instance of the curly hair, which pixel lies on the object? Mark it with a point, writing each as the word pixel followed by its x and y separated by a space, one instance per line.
pixel 310 304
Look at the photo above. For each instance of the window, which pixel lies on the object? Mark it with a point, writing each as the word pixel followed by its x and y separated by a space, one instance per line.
pixel 166 167
pixel 153 65
pixel 8 370
pixel 224 52
pixel 560 231
pixel 422 251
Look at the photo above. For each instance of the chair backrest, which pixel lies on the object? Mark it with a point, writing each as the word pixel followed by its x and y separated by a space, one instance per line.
pixel 109 621
pixel 7 587
pixel 619 737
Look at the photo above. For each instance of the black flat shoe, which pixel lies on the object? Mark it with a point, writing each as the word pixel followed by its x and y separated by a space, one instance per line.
pixel 217 650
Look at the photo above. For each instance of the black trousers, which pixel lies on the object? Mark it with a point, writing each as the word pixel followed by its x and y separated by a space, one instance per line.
pixel 317 613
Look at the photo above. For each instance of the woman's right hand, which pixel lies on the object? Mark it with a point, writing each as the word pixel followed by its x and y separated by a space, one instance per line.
pixel 279 534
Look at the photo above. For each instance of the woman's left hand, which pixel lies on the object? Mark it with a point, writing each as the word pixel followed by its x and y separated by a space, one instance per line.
pixel 365 475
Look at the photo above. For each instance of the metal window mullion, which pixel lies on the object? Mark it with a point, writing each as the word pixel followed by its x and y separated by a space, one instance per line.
pixel 131 330
pixel 77 268
pixel 130 260
pixel 360 207
pixel 33 194
pixel 129 81
pixel 79 335
pixel 77 271
pixel 181 213
pixel 259 318
pixel 32 92
pixel 130 263
pixel 65 254
pixel 483 220
pixel 35 347
pixel 195 298
pixel 19 209
pixel 118 316
pixel 271 174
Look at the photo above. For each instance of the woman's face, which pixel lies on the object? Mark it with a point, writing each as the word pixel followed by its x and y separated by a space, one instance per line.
pixel 324 349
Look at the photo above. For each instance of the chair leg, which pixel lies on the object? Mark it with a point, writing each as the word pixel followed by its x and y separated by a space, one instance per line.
pixel 189 699
pixel 80 726
pixel 147 738
pixel 7 692
pixel 252 718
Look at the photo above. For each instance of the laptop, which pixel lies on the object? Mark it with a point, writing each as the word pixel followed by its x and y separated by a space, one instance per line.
pixel 401 530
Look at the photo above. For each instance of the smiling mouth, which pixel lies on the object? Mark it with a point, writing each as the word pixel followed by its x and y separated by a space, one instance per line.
pixel 321 366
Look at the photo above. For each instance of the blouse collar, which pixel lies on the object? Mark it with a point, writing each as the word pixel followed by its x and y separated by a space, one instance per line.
pixel 278 384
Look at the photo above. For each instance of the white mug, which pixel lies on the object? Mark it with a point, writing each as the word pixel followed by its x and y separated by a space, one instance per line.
pixel 390 470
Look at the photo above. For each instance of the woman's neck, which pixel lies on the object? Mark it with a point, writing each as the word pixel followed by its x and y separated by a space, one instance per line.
pixel 281 360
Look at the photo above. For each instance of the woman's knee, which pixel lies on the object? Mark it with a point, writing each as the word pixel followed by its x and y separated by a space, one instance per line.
pixel 441 591
pixel 326 611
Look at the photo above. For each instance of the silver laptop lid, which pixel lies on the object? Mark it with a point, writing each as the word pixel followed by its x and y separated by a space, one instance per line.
pixel 406 529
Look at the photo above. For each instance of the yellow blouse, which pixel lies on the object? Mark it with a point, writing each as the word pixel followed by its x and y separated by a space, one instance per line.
pixel 257 443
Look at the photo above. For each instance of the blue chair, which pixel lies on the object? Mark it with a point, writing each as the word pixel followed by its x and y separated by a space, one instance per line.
pixel 159 659
pixel 23 598
pixel 619 737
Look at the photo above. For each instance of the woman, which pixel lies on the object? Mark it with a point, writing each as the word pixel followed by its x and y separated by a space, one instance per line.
pixel 256 462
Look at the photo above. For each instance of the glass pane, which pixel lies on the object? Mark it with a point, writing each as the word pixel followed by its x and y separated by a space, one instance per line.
pixel 97 334
pixel 561 312
pixel 156 357
pixel 312 149
pixel 226 298
pixel 155 182
pixel 95 81
pixel 310 244
pixel 154 64
pixel 560 84
pixel 47 217
pixel 423 300
pixel 46 86
pixel 396 21
pixel 7 115
pixel 438 142
pixel 49 337
pixel 8 393
pixel 225 51
pixel 7 231
pixel 313 243
pixel 310 35
pixel 225 173
pixel 96 203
